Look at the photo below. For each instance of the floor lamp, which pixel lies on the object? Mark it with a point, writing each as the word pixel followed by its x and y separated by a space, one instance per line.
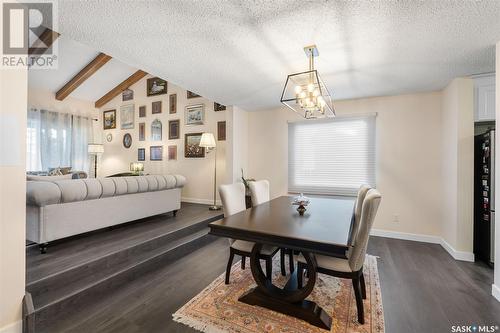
pixel 95 149
pixel 208 141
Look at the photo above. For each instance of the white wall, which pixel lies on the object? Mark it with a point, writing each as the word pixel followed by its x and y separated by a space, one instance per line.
pixel 237 144
pixel 198 171
pixel 496 285
pixel 13 96
pixel 458 164
pixel 408 156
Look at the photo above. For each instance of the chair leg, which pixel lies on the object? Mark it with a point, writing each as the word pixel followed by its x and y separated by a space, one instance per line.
pixel 359 300
pixel 300 275
pixel 269 268
pixel 243 262
pixel 290 258
pixel 282 261
pixel 363 285
pixel 229 264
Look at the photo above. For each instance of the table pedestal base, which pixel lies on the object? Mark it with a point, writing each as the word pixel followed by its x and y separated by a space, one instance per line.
pixel 305 310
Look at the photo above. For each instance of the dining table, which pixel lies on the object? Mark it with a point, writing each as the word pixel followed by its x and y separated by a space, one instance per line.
pixel 324 228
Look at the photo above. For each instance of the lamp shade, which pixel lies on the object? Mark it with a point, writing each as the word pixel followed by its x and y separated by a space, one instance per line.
pixel 136 167
pixel 95 148
pixel 207 140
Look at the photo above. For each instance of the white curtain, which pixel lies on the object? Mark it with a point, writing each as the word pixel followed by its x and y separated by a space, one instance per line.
pixel 56 139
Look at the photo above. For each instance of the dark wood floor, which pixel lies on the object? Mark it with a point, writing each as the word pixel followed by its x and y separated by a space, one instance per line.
pixel 423 290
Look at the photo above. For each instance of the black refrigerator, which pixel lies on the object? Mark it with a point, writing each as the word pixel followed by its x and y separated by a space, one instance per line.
pixel 484 197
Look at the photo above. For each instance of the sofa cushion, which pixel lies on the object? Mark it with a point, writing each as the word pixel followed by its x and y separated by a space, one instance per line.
pixel 180 181
pixel 72 190
pixel 162 183
pixel 152 183
pixel 120 185
pixel 143 184
pixel 42 193
pixel 132 185
pixel 171 181
pixel 108 187
pixel 94 188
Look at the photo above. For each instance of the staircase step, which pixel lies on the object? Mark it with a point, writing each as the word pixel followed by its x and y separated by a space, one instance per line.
pixel 110 261
pixel 56 295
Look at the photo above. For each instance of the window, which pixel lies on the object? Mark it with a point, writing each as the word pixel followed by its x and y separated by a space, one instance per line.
pixel 332 156
pixel 57 140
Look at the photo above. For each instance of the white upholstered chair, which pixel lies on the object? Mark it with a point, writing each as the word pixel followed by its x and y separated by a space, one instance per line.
pixel 233 201
pixel 356 214
pixel 352 266
pixel 260 193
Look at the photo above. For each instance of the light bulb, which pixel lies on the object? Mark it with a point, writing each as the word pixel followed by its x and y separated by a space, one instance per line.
pixel 322 102
pixel 298 89
pixel 310 87
pixel 303 94
pixel 316 92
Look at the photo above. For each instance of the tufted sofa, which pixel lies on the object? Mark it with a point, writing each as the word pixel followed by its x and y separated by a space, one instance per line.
pixel 63 208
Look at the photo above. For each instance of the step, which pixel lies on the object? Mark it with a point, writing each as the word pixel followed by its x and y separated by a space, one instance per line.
pixel 42 288
pixel 70 296
pixel 78 251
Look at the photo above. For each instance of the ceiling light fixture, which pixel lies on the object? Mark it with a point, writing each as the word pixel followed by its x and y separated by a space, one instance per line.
pixel 305 92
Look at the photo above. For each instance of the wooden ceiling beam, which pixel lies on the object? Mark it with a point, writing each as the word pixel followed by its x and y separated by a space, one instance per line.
pixel 120 88
pixel 83 75
pixel 45 41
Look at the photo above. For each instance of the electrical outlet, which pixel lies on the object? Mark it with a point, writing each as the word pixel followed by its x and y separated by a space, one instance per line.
pixel 395 218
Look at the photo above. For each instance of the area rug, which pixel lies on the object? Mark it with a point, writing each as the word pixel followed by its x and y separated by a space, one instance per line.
pixel 217 309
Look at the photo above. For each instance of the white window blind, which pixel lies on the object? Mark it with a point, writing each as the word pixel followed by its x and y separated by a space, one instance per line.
pixel 331 157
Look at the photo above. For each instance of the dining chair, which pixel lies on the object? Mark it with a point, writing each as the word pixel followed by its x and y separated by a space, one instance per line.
pixel 352 267
pixel 260 193
pixel 233 201
pixel 356 214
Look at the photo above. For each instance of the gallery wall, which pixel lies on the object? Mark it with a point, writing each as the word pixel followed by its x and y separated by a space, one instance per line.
pixel 198 171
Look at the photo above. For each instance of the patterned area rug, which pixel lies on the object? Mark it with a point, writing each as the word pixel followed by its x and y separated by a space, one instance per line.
pixel 217 309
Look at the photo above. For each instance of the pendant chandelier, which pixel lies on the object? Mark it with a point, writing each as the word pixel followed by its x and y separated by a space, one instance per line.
pixel 305 92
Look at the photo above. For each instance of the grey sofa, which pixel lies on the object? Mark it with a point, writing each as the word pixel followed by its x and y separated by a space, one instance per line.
pixel 63 208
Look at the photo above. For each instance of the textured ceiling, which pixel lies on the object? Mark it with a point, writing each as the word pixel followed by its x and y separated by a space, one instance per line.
pixel 239 52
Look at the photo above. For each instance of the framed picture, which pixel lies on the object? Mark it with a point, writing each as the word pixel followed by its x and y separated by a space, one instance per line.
pixel 156 107
pixel 156 153
pixel 109 119
pixel 156 129
pixel 142 131
pixel 127 95
pixel 156 86
pixel 127 140
pixel 141 154
pixel 173 129
pixel 221 131
pixel 142 111
pixel 191 94
pixel 219 107
pixel 172 153
pixel 192 147
pixel 172 105
pixel 195 114
pixel 127 116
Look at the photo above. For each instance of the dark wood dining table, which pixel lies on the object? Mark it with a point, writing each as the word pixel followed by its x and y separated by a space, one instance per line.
pixel 325 228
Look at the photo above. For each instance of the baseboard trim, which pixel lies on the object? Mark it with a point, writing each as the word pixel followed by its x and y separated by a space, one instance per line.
pixel 495 291
pixel 457 255
pixel 16 327
pixel 200 201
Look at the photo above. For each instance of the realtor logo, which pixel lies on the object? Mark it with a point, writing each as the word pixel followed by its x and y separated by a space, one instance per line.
pixel 29 34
